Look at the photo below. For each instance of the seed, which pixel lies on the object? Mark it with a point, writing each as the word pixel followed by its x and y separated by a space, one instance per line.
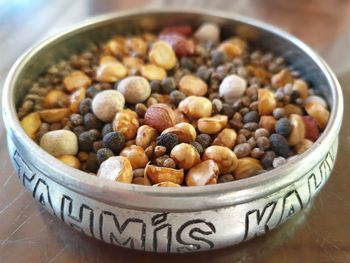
pixel 267 102
pixel 251 116
pixel 31 124
pixel 257 153
pixel 278 113
pixel 203 73
pixel 267 159
pixel 225 178
pixel 263 143
pixel 168 85
pixel 217 105
pixel 208 32
pixel 311 129
pixel 85 106
pixel 268 123
pixel 316 99
pixel 218 58
pixel 279 145
pixel 140 109
pixel 176 97
pixel 301 87
pixel 227 110
pixel 103 154
pixel 159 151
pixel 261 133
pixel 155 86
pixel 115 141
pixel 91 121
pixel 116 168
pixel 242 150
pixel 198 147
pixel 227 137
pixel 168 140
pixel 91 163
pixel 76 80
pixel 204 140
pixel 196 107
pixel 136 156
pixel 191 85
pixel 164 174
pixel 303 146
pixel 283 127
pixel 126 122
pixel 111 72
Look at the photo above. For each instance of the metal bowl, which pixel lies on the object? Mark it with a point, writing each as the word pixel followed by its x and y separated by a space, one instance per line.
pixel 171 219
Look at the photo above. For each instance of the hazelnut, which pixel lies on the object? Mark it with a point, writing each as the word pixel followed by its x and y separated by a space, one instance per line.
pixel 136 155
pixel 268 123
pixel 166 184
pixel 196 107
pixel 247 167
pixel 31 124
pixel 54 115
pixel 106 104
pixel 163 174
pixel 75 98
pixel 111 72
pixel 267 102
pixel 55 99
pixel 184 131
pixel 145 135
pixel 319 113
pixel 135 89
pixel 116 168
pixel 191 85
pixel 126 122
pixel 160 116
pixel 153 72
pixel 162 55
pixel 301 87
pixel 212 125
pixel 298 129
pixel 70 160
pixel 76 80
pixel 223 156
pixel 303 146
pixel 185 155
pixel 227 137
pixel 202 173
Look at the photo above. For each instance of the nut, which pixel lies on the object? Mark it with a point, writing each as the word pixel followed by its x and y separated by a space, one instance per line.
pixel 298 129
pixel 136 155
pixel 185 155
pixel 116 168
pixel 202 173
pixel 54 115
pixel 153 72
pixel 292 109
pixel 268 123
pixel 303 146
pixel 281 78
pixel 31 124
pixel 267 102
pixel 192 86
pixel 301 87
pixel 135 89
pixel 111 72
pixel 184 131
pixel 106 104
pixel 232 87
pixel 160 116
pixel 107 59
pixel 212 125
pixel 319 113
pixel 133 63
pixel 60 142
pixel 232 50
pixel 55 99
pixel 163 174
pixel 162 55
pixel 70 160
pixel 208 32
pixel 247 167
pixel 166 184
pixel 136 44
pixel 75 98
pixel 223 156
pixel 76 80
pixel 196 107
pixel 180 44
pixel 115 46
pixel 126 122
pixel 145 135
pixel 227 137
pixel 316 99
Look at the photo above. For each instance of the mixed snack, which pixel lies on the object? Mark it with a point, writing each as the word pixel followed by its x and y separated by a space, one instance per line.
pixel 177 108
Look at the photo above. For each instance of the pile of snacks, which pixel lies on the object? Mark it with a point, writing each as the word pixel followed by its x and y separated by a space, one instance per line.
pixel 179 108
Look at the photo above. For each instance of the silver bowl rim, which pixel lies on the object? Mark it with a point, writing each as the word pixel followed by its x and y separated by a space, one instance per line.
pixel 233 193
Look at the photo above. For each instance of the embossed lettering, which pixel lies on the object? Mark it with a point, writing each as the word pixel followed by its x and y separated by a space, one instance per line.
pixel 291 204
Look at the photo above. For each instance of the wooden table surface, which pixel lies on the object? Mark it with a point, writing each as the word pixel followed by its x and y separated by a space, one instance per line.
pixel 319 234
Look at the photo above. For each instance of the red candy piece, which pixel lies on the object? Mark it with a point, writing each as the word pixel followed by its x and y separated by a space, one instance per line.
pixel 181 45
pixel 182 30
pixel 311 129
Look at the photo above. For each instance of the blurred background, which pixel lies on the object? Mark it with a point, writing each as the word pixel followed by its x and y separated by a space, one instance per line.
pixel 319 234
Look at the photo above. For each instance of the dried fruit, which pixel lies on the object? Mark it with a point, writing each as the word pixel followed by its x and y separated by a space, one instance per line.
pixel 76 80
pixel 247 167
pixel 160 116
pixel 212 125
pixel 185 155
pixel 162 55
pixel 163 174
pixel 196 107
pixel 298 129
pixel 116 168
pixel 191 85
pixel 54 115
pixel 126 122
pixel 223 156
pixel 267 102
pixel 145 135
pixel 202 174
pixel 31 124
pixel 153 72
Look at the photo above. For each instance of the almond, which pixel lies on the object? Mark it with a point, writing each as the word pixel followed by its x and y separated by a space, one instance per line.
pixel 160 116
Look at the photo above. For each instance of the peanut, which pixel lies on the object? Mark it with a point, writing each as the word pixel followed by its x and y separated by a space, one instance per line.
pixel 212 125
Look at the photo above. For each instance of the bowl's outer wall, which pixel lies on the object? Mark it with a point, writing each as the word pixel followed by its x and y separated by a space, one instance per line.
pixel 217 219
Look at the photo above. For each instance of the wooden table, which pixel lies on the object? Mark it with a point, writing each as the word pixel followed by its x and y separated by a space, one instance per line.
pixel 319 234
